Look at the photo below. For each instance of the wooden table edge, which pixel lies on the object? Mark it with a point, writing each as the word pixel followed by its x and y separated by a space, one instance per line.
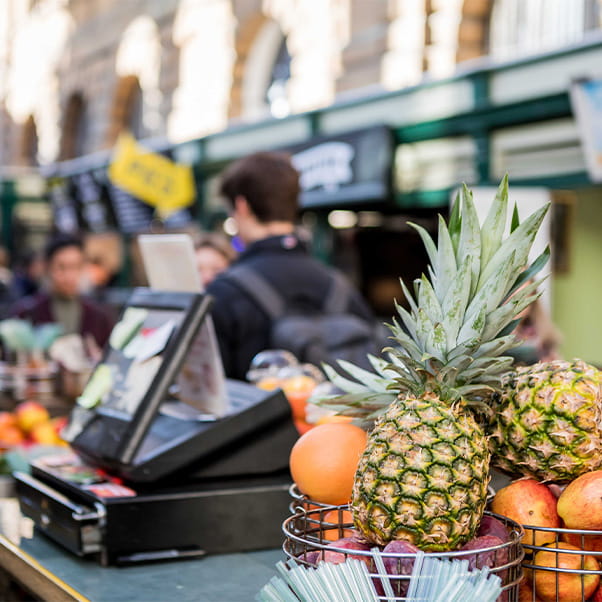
pixel 33 576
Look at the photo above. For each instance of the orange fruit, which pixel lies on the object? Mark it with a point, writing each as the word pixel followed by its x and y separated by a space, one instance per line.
pixel 336 418
pixel 7 419
pixel 10 435
pixel 334 533
pixel 565 586
pixel 323 461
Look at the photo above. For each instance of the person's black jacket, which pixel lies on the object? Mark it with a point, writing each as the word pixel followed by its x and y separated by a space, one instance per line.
pixel 242 327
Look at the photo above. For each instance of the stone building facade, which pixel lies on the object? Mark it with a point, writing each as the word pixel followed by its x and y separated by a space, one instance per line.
pixel 74 73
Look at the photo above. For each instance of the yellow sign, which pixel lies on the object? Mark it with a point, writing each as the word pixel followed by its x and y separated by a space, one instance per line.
pixel 152 178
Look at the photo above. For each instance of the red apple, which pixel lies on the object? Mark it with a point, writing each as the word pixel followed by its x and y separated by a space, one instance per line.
pixel 580 504
pixel 529 502
pixel 30 413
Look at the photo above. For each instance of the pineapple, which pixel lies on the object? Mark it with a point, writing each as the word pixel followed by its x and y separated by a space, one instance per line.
pixel 424 474
pixel 548 424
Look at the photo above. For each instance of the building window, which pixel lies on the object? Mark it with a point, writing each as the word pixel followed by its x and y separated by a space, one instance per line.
pixel 127 111
pixel 133 110
pixel 73 139
pixel 276 95
pixel 267 70
pixel 29 143
pixel 519 27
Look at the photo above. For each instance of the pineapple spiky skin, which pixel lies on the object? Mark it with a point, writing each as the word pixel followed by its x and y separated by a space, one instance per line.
pixel 423 476
pixel 548 424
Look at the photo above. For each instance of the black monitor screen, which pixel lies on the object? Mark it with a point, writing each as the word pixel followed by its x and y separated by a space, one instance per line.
pixel 143 356
pixel 132 361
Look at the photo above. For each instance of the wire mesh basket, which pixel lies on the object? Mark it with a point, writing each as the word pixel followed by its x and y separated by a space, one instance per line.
pixel 557 574
pixel 303 503
pixel 313 535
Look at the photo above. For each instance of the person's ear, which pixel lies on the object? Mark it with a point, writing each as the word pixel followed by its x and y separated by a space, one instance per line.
pixel 241 206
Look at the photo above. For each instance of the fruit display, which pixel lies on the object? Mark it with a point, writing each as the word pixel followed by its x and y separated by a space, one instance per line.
pixel 30 423
pixel 312 540
pixel 423 476
pixel 445 403
pixel 563 536
pixel 548 422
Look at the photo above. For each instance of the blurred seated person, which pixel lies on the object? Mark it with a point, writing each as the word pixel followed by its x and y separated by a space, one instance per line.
pixel 98 275
pixel 214 254
pixel 28 275
pixel 262 191
pixel 60 300
pixel 540 338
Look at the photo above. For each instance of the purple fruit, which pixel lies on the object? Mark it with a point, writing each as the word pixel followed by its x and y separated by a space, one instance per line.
pixel 491 559
pixel 492 526
pixel 311 558
pixel 401 566
pixel 346 543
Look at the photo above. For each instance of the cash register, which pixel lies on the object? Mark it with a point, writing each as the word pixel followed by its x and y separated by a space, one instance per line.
pixel 167 459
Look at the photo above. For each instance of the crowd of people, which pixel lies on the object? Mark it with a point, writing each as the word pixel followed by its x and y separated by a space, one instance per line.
pixel 262 193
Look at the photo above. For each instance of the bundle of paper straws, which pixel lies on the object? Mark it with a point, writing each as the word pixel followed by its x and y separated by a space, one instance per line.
pixel 432 580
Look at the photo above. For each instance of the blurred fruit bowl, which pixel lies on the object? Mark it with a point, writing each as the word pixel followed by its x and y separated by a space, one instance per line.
pixel 30 423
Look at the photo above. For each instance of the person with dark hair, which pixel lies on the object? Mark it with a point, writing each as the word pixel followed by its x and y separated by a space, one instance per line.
pixel 62 301
pixel 262 191
pixel 28 274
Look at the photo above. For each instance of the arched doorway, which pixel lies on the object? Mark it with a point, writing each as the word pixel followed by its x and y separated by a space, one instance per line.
pixel 266 72
pixel 28 151
pixel 127 111
pixel 137 96
pixel 73 140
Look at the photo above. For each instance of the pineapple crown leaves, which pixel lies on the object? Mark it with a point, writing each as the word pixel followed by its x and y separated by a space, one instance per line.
pixel 458 322
pixel 475 273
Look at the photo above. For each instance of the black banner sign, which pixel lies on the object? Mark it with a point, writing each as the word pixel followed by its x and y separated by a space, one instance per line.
pixel 350 168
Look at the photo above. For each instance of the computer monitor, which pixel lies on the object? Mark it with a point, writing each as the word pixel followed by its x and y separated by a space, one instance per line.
pixel 170 265
pixel 128 422
pixel 169 262
pixel 146 351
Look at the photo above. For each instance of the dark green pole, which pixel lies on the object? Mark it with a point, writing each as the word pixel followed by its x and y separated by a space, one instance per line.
pixel 8 197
